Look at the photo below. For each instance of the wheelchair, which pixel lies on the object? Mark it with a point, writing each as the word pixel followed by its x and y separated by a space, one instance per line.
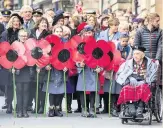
pixel 153 108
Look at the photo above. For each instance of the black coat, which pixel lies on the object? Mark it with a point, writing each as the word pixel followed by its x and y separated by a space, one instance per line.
pixel 152 41
pixel 42 35
pixel 2 28
pixel 23 75
pixel 10 36
pixel 33 69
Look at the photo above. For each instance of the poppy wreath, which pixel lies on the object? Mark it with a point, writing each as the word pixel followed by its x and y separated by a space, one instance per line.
pixel 53 40
pixel 78 44
pixel 12 55
pixel 97 54
pixel 62 56
pixel 37 52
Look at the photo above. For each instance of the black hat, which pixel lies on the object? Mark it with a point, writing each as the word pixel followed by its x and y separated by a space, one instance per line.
pixel 19 17
pixel 59 15
pixel 91 12
pixel 37 12
pixel 6 12
pixel 140 48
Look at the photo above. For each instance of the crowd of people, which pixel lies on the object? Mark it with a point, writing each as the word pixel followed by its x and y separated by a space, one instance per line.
pixel 135 38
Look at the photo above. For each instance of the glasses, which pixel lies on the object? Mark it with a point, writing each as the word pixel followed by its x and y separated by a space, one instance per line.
pixel 22 36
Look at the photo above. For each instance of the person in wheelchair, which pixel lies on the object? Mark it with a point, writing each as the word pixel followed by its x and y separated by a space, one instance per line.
pixel 136 76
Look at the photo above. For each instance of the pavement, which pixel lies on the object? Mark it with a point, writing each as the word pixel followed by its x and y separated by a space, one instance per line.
pixel 72 121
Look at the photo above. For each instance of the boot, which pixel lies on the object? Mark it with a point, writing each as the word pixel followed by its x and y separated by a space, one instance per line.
pixel 19 114
pixel 4 106
pixel 92 113
pixel 30 108
pixel 97 111
pixel 41 110
pixel 58 112
pixel 84 114
pixel 69 109
pixel 25 114
pixel 60 108
pixel 9 109
pixel 51 111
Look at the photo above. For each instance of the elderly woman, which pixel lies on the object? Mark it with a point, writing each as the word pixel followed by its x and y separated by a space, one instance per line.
pixel 136 75
pixel 10 35
pixel 22 81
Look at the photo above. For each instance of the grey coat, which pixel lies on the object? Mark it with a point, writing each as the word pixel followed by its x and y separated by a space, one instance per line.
pixel 56 84
pixel 126 69
pixel 90 80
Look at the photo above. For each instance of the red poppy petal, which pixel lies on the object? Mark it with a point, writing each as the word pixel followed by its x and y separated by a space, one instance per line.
pixel 20 62
pixel 4 48
pixel 30 60
pixel 75 41
pixel 19 47
pixel 53 39
pixel 5 63
pixel 117 57
pixel 44 45
pixel 77 57
pixel 70 64
pixel 30 44
pixel 57 64
pixel 43 61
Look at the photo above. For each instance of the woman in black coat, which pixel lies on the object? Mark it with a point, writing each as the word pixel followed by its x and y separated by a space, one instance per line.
pixel 40 31
pixel 22 79
pixel 9 35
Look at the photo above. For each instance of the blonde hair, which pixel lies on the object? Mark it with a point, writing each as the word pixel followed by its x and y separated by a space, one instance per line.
pixel 125 25
pixel 66 30
pixel 10 23
pixel 152 16
pixel 132 34
pixel 114 21
pixel 55 27
pixel 23 31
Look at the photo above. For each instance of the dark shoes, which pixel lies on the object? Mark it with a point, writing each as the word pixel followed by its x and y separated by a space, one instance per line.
pixel 54 111
pixel 77 110
pixel 9 109
pixel 21 114
pixel 4 106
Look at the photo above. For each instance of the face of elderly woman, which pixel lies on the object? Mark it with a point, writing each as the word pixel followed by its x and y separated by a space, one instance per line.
pixel 138 56
pixel 23 36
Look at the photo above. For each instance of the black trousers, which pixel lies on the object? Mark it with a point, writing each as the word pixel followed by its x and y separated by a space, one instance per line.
pixel 22 92
pixel 9 94
pixel 91 99
pixel 69 100
pixel 55 99
pixel 41 95
pixel 114 98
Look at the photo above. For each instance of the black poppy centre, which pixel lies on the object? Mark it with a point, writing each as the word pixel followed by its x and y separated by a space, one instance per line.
pixel 97 53
pixel 63 55
pixel 37 53
pixel 12 55
pixel 80 48
pixel 110 55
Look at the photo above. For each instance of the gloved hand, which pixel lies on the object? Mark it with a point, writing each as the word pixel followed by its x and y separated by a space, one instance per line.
pixel 141 82
pixel 133 81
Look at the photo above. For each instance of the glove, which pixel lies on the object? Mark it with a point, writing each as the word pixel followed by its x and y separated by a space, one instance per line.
pixel 133 81
pixel 141 82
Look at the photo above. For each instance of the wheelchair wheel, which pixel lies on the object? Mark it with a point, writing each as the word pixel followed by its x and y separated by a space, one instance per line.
pixel 158 104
